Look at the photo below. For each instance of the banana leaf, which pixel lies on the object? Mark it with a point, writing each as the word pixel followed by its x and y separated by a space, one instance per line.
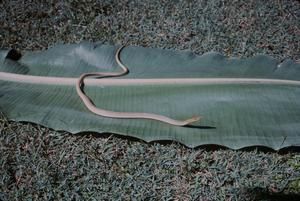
pixel 242 102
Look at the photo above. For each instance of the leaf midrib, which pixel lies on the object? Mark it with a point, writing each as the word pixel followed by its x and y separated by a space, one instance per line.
pixel 69 81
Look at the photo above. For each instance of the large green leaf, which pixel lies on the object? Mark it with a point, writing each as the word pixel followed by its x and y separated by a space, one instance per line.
pixel 261 112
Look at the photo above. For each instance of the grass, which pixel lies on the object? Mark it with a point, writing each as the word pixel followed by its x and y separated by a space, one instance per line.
pixel 37 163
